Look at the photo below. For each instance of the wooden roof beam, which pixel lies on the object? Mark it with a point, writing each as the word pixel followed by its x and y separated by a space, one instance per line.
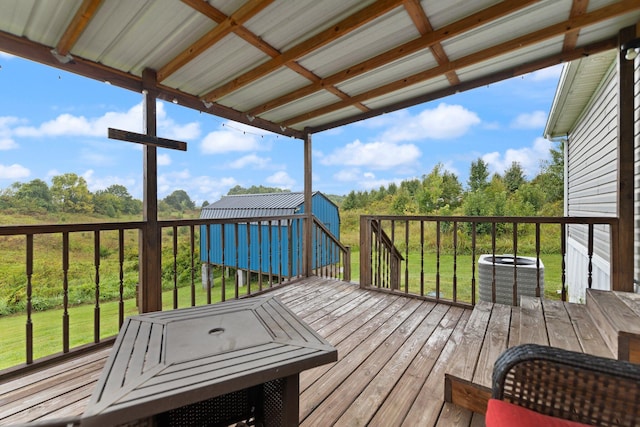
pixel 336 31
pixel 426 41
pixel 555 30
pixel 76 27
pixel 421 21
pixel 223 29
pixel 578 8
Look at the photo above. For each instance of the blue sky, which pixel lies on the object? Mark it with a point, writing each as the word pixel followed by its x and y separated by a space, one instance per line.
pixel 53 122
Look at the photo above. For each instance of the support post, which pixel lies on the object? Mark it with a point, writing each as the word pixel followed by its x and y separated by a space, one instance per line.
pixel 149 255
pixel 623 263
pixel 308 209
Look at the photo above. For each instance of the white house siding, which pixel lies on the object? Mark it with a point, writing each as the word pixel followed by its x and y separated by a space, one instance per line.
pixel 591 187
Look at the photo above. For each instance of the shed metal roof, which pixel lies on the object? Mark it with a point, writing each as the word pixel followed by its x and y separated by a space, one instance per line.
pixel 304 66
pixel 254 205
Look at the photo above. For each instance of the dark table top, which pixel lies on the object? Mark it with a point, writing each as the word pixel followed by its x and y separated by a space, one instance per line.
pixel 166 360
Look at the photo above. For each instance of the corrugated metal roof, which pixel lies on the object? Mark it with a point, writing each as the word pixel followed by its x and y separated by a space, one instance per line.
pixel 254 206
pixel 301 66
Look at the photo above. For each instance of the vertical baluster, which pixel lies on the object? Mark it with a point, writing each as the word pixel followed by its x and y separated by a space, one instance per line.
pixel 120 277
pixel 538 260
pixel 421 258
pixel 379 253
pixel 248 259
pixel 259 255
pixel 96 311
pixel 563 253
pixel 65 291
pixel 391 274
pixel 29 272
pixel 192 249
pixel 437 259
pixel 236 240
pixel 280 251
pixel 493 258
pixel 290 248
pixel 208 268
pixel 175 267
pixel 473 263
pixel 515 264
pixel 270 255
pixel 300 247
pixel 590 253
pixel 406 262
pixel 455 261
pixel 223 267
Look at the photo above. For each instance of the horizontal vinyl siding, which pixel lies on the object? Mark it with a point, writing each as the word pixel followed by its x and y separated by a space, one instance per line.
pixel 591 166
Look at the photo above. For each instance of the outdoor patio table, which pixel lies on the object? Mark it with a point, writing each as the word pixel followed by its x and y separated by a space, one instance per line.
pixel 210 365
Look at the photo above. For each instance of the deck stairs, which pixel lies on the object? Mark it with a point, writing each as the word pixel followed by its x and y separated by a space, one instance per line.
pixel 607 325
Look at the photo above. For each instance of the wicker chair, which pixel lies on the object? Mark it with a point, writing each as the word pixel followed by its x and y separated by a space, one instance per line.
pixel 568 385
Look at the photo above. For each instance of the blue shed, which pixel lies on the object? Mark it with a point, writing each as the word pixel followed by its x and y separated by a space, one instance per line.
pixel 271 238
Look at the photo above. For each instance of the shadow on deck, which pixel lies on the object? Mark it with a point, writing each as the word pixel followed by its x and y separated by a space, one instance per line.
pixel 393 354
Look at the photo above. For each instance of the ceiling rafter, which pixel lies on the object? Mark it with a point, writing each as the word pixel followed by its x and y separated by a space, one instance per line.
pixel 425 41
pixel 76 27
pixel 223 29
pixel 551 31
pixel 421 21
pixel 579 7
pixel 519 70
pixel 336 31
pixel 241 31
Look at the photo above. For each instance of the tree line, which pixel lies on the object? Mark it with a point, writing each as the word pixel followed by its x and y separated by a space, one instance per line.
pixel 441 193
pixel 69 193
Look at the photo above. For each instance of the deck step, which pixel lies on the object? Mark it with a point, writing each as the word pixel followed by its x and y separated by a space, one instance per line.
pixel 617 316
pixel 494 327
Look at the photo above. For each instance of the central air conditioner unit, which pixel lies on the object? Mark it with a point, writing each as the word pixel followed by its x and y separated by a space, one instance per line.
pixel 526 277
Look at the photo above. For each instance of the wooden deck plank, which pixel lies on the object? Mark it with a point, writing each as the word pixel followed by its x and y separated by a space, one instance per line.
pixel 586 330
pixel 395 407
pixel 342 398
pixel 427 406
pixel 454 416
pixel 532 327
pixel 494 343
pixel 376 391
pixel 559 327
pixel 353 334
pixel 312 397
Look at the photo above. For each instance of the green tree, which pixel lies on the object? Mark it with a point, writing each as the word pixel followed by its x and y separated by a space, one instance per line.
pixel 451 189
pixel 70 193
pixel 127 204
pixel 551 178
pixel 478 175
pixel 34 194
pixel 514 177
pixel 180 201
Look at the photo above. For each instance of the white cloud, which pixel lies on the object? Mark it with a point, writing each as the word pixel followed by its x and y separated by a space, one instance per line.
pixel 199 188
pixel 547 73
pixel 7 144
pixel 250 161
pixel 528 157
pixel 164 159
pixel 376 155
pixel 14 171
pixel 281 179
pixel 95 183
pixel 224 141
pixel 347 175
pixel 70 125
pixel 443 122
pixel 534 120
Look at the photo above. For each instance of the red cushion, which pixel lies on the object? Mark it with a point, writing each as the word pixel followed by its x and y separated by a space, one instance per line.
pixel 504 414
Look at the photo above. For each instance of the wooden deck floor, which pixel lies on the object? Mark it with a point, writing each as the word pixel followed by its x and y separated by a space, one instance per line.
pixel 393 354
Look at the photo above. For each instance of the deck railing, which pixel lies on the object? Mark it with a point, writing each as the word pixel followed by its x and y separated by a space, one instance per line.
pixel 72 285
pixel 438 258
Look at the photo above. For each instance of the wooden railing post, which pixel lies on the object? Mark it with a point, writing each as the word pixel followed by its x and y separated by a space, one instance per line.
pixel 365 251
